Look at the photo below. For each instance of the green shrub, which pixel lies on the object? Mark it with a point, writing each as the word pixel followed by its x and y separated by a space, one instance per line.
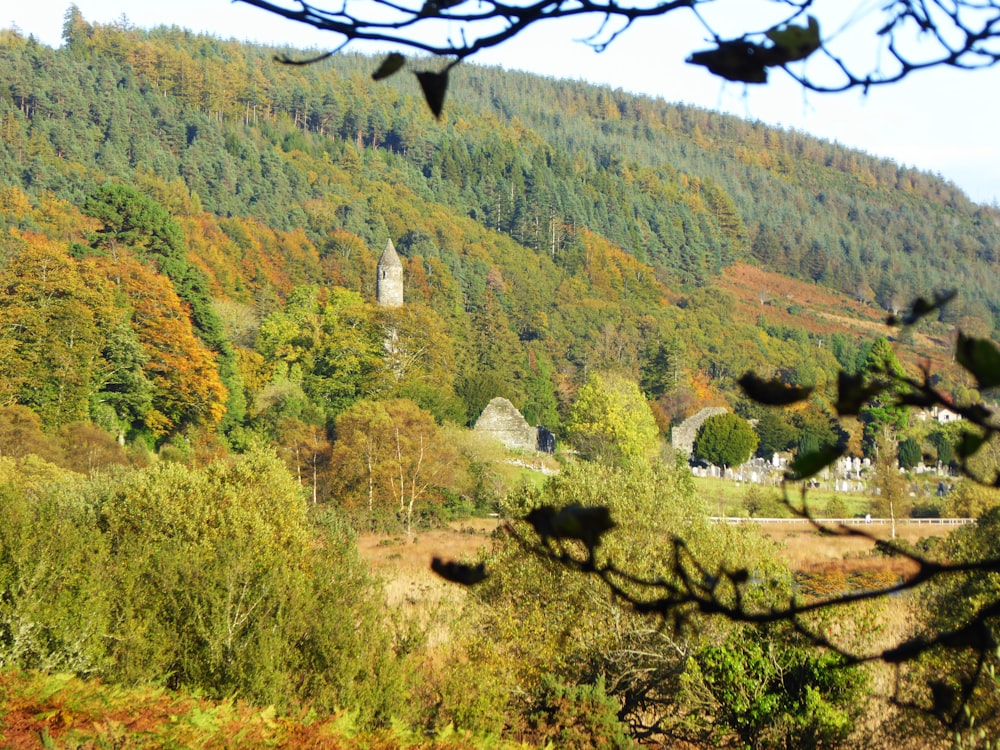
pixel 55 598
pixel 538 618
pixel 577 717
pixel 836 507
pixel 909 453
pixel 725 440
pixel 774 690
pixel 209 579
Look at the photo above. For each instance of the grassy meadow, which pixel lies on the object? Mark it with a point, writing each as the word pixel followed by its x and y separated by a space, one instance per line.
pixel 726 498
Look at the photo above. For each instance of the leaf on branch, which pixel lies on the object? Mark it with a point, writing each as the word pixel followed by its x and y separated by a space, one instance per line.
pixel 735 60
pixel 747 62
pixel 772 392
pixel 813 463
pixel 740 576
pixel 852 393
pixel 795 42
pixel 981 358
pixel 978 414
pixel 921 308
pixel 467 575
pixel 587 525
pixel 390 65
pixel 434 86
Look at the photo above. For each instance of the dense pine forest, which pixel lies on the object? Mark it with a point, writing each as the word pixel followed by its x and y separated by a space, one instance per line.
pixel 188 239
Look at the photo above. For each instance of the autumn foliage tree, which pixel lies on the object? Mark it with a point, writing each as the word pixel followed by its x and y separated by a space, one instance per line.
pixel 421 360
pixel 306 450
pixel 54 315
pixel 133 222
pixel 390 460
pixel 611 421
pixel 329 343
pixel 187 388
pixel 21 435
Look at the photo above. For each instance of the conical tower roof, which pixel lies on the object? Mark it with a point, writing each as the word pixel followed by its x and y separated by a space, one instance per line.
pixel 389 258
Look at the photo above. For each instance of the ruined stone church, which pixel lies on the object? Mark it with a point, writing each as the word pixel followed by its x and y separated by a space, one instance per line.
pixel 501 420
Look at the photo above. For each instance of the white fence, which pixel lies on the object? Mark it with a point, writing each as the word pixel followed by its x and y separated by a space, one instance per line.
pixel 851 521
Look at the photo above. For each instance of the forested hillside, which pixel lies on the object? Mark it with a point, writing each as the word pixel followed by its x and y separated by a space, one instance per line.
pixel 190 233
pixel 202 404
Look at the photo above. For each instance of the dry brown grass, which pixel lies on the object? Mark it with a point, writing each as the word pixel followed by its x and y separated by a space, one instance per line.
pixel 804 547
pixel 820 311
pixel 405 563
pixel 830 562
pixel 409 555
pixel 411 588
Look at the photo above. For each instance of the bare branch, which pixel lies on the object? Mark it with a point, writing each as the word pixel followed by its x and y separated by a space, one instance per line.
pixel 915 36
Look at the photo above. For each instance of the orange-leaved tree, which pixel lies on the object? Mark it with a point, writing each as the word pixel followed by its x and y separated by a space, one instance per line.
pixel 187 389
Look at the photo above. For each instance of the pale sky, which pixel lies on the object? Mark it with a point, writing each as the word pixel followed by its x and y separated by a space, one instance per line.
pixel 942 121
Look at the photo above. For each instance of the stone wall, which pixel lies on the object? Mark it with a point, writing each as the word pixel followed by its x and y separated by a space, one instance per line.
pixel 504 422
pixel 683 435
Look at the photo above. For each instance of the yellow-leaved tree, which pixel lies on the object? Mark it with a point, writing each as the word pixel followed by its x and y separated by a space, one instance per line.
pixel 52 312
pixel 610 420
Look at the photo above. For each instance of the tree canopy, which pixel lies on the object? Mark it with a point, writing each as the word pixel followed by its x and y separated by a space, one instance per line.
pixel 611 421
pixel 391 459
pixel 725 440
pixel 549 230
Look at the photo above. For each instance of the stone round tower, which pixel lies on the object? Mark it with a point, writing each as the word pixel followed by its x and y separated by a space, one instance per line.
pixel 389 280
